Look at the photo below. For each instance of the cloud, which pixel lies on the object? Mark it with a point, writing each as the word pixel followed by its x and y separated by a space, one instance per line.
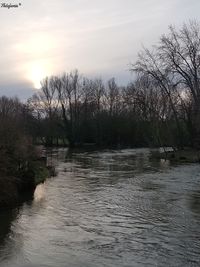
pixel 21 90
pixel 98 37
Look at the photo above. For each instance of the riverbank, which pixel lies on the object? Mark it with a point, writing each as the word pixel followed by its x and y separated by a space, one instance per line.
pixel 180 156
pixel 14 188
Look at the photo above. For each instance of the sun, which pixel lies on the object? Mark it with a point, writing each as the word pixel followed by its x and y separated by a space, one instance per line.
pixel 37 73
pixel 38 48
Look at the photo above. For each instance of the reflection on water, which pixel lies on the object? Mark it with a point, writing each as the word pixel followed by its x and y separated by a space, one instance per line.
pixel 39 194
pixel 108 208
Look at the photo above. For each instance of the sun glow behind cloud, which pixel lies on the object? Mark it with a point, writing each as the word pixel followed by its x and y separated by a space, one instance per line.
pixel 36 71
pixel 37 50
pixel 100 38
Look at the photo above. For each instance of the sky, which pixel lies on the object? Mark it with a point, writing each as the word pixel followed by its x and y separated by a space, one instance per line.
pixel 100 38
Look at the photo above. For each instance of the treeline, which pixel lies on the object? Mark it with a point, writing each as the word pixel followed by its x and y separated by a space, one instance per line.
pixel 82 111
pixel 20 166
pixel 160 108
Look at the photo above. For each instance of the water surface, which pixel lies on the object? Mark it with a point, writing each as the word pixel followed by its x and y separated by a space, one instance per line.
pixel 108 208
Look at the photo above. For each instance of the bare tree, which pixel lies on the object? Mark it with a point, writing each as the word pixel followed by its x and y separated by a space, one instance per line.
pixel 112 96
pixel 151 64
pixel 180 50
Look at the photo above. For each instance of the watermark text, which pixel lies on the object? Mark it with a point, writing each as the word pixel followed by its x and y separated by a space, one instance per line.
pixel 10 5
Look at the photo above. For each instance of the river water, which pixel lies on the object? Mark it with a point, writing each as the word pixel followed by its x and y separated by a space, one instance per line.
pixel 108 208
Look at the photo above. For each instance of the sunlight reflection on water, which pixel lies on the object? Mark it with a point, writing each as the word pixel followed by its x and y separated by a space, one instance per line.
pixel 40 193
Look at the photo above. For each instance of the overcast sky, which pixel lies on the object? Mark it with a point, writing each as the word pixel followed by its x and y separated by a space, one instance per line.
pixel 99 37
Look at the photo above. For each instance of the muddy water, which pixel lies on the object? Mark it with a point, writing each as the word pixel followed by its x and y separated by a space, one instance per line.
pixel 109 208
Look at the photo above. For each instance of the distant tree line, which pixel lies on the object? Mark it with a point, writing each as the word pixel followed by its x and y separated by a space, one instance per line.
pixel 81 110
pixel 160 108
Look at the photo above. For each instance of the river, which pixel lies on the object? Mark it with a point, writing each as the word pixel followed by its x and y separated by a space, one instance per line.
pixel 115 208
